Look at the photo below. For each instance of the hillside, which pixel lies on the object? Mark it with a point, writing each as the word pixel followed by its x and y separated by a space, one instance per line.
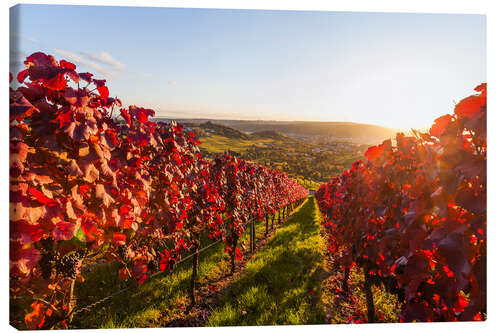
pixel 309 130
pixel 362 133
pixel 218 129
pixel 308 162
pixel 271 135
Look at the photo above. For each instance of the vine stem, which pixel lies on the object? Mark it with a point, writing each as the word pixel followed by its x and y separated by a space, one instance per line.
pixel 369 297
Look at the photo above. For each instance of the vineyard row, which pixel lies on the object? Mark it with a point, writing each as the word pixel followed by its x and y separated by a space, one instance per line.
pixel 413 217
pixel 87 184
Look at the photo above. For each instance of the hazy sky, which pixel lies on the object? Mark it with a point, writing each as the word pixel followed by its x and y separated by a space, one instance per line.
pixel 396 70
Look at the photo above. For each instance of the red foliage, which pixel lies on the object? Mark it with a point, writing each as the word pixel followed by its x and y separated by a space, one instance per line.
pixel 84 182
pixel 416 214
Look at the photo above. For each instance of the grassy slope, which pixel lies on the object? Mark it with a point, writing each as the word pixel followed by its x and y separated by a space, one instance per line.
pixel 281 284
pixel 219 144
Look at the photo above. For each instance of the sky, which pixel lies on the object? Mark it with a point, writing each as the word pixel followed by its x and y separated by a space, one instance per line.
pixel 396 70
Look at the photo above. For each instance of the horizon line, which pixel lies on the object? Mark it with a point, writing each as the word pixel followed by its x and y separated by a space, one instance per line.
pixel 282 121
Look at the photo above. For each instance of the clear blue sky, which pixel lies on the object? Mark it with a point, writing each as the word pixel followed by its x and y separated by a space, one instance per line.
pixel 396 70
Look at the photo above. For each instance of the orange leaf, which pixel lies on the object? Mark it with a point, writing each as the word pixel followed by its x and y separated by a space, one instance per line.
pixel 374 152
pixel 35 318
pixel 440 124
pixel 119 239
pixel 470 106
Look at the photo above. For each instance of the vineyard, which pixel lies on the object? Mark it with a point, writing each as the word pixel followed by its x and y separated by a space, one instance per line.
pixel 413 217
pixel 87 186
pixel 94 183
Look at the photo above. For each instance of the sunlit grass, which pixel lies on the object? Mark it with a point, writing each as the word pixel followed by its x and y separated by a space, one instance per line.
pixel 219 144
pixel 281 284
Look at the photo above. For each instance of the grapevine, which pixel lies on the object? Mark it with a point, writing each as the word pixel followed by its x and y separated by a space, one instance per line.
pixel 88 183
pixel 414 216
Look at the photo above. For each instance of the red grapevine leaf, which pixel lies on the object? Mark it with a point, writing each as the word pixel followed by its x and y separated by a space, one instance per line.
pixel 89 228
pixel 40 59
pixel 58 82
pixel 373 153
pixel 21 76
pixel 124 113
pixel 67 65
pixel 470 106
pixel 40 197
pixel 64 231
pixel 440 125
pixel 119 239
pixel 99 83
pixel 64 118
pixel 103 91
pixel 481 87
pixel 86 77
pixel 35 319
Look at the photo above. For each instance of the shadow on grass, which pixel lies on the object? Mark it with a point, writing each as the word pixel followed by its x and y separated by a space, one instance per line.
pixel 281 284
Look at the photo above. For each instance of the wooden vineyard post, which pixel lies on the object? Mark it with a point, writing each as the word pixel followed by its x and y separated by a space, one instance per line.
pixel 267 223
pixel 233 254
pixel 71 300
pixel 194 275
pixel 252 236
pixel 345 281
pixel 369 297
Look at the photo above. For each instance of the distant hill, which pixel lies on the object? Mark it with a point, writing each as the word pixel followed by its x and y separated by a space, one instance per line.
pixel 355 132
pixel 342 130
pixel 219 129
pixel 271 135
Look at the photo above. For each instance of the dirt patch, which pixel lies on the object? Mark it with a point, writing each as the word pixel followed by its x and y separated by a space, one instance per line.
pixel 339 307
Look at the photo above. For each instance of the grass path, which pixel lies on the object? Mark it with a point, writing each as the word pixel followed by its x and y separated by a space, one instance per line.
pixel 281 283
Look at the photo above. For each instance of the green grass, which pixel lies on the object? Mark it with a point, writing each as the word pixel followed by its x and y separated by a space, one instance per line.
pixel 218 144
pixel 307 183
pixel 281 284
